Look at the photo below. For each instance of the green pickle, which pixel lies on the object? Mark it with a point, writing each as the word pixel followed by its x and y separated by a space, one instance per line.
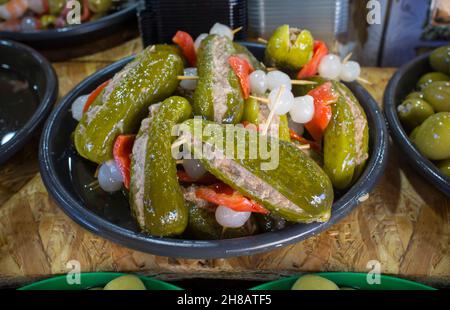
pixel 413 112
pixel 150 78
pixel 346 140
pixel 289 183
pixel 218 96
pixel 164 210
pixel 242 50
pixel 289 48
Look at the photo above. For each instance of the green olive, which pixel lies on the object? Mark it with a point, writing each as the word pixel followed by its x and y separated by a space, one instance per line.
pixel 127 282
pixel 438 95
pixel 440 59
pixel 48 21
pixel 312 282
pixel 413 134
pixel 415 95
pixel 433 137
pixel 444 166
pixel 413 112
pixel 100 6
pixel 431 77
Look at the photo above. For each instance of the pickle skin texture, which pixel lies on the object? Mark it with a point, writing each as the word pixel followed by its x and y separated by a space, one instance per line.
pixel 152 77
pixel 340 143
pixel 204 99
pixel 302 183
pixel 166 212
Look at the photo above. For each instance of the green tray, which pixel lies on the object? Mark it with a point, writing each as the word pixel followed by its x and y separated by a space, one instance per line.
pixel 351 280
pixel 94 279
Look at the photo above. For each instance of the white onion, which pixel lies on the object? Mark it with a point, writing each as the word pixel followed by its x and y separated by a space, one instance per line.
pixel 303 109
pixel 77 107
pixel 350 71
pixel 198 41
pixel 37 6
pixel 222 30
pixel 277 78
pixel 330 67
pixel 28 23
pixel 230 218
pixel 194 168
pixel 189 84
pixel 258 82
pixel 285 102
pixel 109 177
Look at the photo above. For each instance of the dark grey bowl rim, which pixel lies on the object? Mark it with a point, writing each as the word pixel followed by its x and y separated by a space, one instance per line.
pixel 45 105
pixel 419 162
pixel 67 33
pixel 216 248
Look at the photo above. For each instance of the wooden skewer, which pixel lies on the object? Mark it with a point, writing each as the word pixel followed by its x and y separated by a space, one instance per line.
pixel 262 99
pixel 304 146
pixel 152 49
pixel 362 80
pixel 271 69
pixel 302 82
pixel 261 40
pixel 179 162
pixel 237 30
pixel 272 111
pixel 347 58
pixel 187 77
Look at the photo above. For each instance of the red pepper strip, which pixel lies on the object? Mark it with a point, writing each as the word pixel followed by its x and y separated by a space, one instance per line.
pixel 45 6
pixel 122 156
pixel 242 68
pixel 86 13
pixel 186 43
pixel 206 179
pixel 222 194
pixel 311 68
pixel 247 124
pixel 314 145
pixel 323 97
pixel 94 95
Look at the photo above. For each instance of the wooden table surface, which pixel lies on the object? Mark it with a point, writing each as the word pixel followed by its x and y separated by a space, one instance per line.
pixel 404 225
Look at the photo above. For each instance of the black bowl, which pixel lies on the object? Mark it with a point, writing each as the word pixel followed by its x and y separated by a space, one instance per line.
pixel 75 35
pixel 40 76
pixel 401 84
pixel 64 172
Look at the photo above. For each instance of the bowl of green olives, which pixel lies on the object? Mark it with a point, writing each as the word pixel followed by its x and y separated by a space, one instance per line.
pixel 332 281
pixel 100 281
pixel 417 109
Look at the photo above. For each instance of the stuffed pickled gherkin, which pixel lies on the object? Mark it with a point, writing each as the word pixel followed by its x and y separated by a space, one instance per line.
pixel 150 78
pixel 346 139
pixel 296 188
pixel 156 198
pixel 218 96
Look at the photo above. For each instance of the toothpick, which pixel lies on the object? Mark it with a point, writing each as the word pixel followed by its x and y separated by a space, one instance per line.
pixel 271 69
pixel 302 82
pixel 237 30
pixel 264 100
pixel 272 111
pixel 362 80
pixel 179 162
pixel 187 77
pixel 261 40
pixel 304 146
pixel 347 58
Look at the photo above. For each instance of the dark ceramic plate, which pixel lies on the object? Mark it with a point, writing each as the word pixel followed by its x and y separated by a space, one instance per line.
pixel 28 89
pixel 65 173
pixel 401 84
pixel 71 36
